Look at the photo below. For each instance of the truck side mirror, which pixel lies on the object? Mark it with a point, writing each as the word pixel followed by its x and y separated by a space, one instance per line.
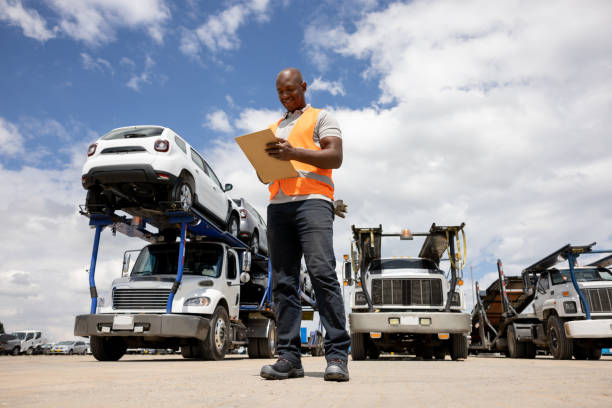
pixel 246 261
pixel 126 265
pixel 245 277
pixel 348 274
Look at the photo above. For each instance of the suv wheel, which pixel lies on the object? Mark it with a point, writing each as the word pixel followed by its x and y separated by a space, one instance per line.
pixel 183 195
pixel 233 226
pixel 255 243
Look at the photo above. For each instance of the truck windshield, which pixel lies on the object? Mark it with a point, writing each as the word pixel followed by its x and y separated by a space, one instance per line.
pixel 582 275
pixel 133 133
pixel 404 263
pixel 202 259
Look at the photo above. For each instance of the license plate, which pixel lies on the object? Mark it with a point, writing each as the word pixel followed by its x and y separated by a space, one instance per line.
pixel 409 320
pixel 123 322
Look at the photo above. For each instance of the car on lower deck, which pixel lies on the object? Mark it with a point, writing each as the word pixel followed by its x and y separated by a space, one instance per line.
pixel 253 229
pixel 146 170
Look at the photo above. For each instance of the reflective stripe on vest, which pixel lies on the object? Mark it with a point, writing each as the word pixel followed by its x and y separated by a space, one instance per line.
pixel 311 179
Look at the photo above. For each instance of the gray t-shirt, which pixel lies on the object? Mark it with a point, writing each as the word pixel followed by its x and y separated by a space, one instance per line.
pixel 326 126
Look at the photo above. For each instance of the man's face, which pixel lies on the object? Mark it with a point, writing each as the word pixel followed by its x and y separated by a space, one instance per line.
pixel 291 92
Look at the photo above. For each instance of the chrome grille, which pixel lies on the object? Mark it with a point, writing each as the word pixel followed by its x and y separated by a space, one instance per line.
pixel 407 292
pixel 599 299
pixel 140 298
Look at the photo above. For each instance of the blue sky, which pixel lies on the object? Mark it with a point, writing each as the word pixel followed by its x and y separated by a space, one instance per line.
pixel 496 114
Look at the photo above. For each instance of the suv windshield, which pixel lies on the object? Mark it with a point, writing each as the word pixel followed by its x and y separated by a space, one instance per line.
pixel 19 335
pixel 582 275
pixel 203 259
pixel 133 133
pixel 404 263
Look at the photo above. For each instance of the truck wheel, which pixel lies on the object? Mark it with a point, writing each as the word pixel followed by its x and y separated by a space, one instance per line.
pixel 594 354
pixel 580 353
pixel 358 350
pixel 267 346
pixel 372 351
pixel 439 353
pixel 319 348
pixel 459 346
pixel 215 345
pixel 530 350
pixel 516 349
pixel 107 348
pixel 253 348
pixel 559 345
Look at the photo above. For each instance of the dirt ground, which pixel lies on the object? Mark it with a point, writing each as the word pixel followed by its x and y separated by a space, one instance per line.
pixel 164 381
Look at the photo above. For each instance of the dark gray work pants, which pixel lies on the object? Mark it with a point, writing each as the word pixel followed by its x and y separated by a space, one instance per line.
pixel 296 229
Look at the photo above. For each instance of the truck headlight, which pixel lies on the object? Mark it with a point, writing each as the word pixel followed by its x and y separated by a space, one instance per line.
pixel 569 307
pixel 360 298
pixel 197 301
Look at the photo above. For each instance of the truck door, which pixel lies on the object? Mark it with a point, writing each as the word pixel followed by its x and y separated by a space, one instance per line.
pixel 542 294
pixel 233 284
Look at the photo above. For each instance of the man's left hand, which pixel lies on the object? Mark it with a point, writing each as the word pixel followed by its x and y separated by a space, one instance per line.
pixel 280 149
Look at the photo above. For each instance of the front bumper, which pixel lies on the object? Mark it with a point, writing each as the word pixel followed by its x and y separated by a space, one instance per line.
pixel 411 322
pixel 142 325
pixel 589 329
pixel 124 173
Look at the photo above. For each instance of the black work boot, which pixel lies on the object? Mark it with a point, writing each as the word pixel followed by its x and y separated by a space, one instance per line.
pixel 281 370
pixel 336 370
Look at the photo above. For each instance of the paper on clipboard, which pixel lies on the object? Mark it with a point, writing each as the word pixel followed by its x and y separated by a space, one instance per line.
pixel 268 168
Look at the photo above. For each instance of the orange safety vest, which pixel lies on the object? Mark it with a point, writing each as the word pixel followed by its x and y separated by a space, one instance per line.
pixel 310 179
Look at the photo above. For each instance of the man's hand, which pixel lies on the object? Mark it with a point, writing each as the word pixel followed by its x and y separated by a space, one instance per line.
pixel 280 149
pixel 340 209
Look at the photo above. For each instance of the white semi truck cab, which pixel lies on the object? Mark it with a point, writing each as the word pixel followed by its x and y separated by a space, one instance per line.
pixel 403 304
pixel 204 295
pixel 565 310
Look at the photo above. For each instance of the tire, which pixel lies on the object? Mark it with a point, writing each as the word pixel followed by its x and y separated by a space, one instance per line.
pixel 559 345
pixel 70 352
pixel 253 348
pixel 255 243
pixel 530 350
pixel 580 353
pixel 267 346
pixel 107 348
pixel 516 349
pixel 319 349
pixel 459 346
pixel 439 353
pixel 358 349
pixel 426 353
pixel 29 352
pixel 215 345
pixel 373 351
pixel 233 225
pixel 594 354
pixel 187 351
pixel 183 195
pixel 15 351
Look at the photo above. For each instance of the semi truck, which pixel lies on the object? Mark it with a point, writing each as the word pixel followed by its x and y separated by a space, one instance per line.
pixel 563 311
pixel 205 294
pixel 403 304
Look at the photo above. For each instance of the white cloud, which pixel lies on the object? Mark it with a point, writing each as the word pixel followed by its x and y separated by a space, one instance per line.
pixel 145 77
pixel 96 22
pixel 333 87
pixel 218 120
pixel 252 120
pixel 220 31
pixel 32 24
pixel 96 64
pixel 11 140
pixel 492 117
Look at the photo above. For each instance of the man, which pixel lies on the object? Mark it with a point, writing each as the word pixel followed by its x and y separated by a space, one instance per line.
pixel 300 218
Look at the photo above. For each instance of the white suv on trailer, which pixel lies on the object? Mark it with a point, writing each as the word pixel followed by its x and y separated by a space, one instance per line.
pixel 143 170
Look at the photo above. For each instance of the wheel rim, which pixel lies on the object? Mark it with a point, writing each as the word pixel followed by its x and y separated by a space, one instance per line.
pixel 554 339
pixel 272 340
pixel 220 334
pixel 185 197
pixel 234 227
pixel 255 244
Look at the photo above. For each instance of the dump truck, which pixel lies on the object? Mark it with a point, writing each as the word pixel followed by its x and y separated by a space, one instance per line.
pixel 563 311
pixel 403 304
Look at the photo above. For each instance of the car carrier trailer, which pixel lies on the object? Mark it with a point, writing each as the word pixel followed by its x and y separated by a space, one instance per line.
pixel 564 311
pixel 205 294
pixel 403 304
